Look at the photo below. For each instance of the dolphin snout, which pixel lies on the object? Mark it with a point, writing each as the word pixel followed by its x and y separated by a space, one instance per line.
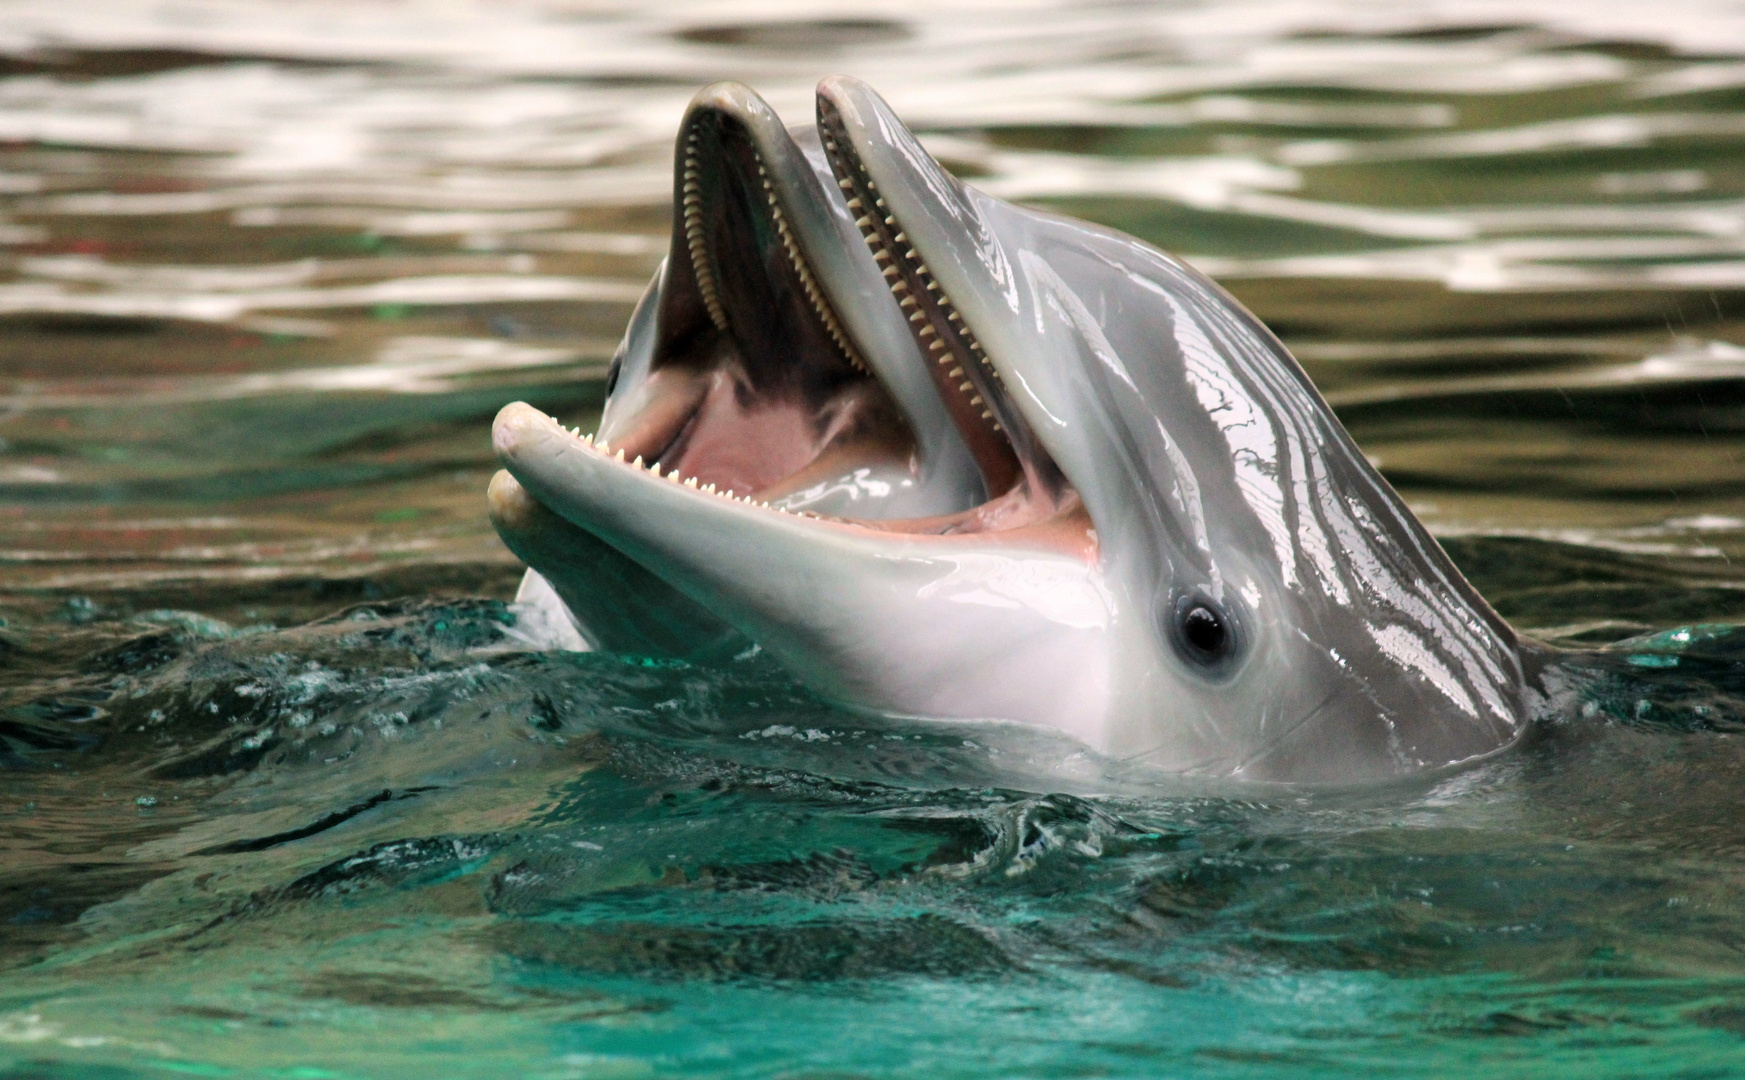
pixel 515 424
pixel 509 504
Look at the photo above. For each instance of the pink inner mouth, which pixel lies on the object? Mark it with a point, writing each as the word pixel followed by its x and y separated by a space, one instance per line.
pixel 756 388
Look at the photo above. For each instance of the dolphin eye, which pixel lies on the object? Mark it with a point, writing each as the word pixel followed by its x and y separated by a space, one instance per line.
pixel 1203 632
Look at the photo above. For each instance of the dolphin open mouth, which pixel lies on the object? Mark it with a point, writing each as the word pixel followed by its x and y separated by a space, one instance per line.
pixel 943 456
pixel 756 387
pixel 760 388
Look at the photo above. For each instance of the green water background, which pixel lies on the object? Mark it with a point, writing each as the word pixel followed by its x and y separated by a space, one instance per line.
pixel 283 795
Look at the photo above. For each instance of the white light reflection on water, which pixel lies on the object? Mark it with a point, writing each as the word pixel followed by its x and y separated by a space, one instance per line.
pixel 487 120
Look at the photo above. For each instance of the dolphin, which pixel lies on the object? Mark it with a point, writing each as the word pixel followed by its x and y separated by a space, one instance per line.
pixel 946 457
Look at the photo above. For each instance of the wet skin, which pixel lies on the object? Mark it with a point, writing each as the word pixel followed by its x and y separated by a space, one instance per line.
pixel 944 456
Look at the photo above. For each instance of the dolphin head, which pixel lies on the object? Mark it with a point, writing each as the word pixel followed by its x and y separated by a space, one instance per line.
pixel 1096 494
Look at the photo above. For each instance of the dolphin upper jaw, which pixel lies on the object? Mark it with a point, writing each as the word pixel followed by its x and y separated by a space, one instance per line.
pixel 1151 450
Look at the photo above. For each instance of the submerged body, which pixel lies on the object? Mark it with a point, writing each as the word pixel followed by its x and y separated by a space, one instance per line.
pixel 943 456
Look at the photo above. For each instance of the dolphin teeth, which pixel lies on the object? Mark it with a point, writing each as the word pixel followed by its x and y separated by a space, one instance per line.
pixel 912 283
pixel 655 469
pixel 693 221
pixel 638 461
pixel 690 481
pixel 588 439
pixel 854 204
pixel 620 454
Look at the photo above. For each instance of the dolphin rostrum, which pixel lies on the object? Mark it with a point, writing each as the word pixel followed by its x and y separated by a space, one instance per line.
pixel 946 457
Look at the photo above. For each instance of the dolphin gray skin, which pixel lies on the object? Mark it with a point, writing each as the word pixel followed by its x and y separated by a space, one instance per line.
pixel 1084 489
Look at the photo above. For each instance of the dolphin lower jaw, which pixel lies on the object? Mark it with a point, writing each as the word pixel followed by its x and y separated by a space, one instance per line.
pixel 760 467
pixel 613 603
pixel 918 624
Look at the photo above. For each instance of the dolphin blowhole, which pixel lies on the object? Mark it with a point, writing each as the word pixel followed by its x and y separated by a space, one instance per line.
pixel 943 456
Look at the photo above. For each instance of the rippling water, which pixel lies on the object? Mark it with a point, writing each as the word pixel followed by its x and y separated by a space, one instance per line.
pixel 284 792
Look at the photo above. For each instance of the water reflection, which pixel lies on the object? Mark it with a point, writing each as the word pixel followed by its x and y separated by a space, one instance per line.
pixel 262 200
pixel 266 271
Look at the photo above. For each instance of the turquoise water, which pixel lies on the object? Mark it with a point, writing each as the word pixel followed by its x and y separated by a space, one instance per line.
pixel 284 794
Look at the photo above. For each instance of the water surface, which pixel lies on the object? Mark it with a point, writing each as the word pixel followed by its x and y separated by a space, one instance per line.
pixel 285 791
